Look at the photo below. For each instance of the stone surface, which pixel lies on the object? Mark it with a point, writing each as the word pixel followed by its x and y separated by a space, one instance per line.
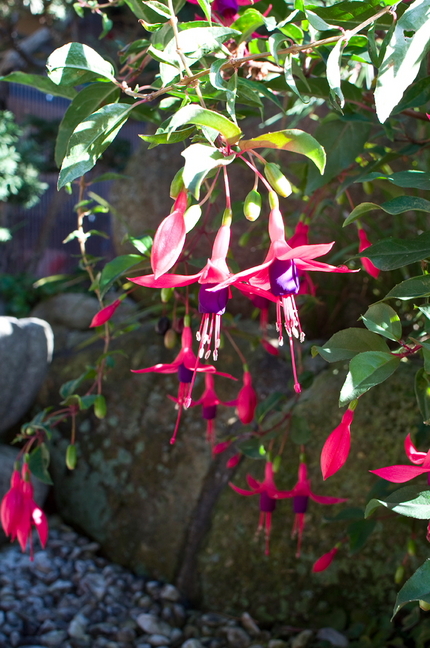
pixel 333 636
pixel 25 350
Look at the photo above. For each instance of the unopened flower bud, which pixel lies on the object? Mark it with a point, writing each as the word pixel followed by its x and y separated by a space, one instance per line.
pixel 277 179
pixel 177 184
pixel 368 188
pixel 273 200
pixel 166 294
pixel 252 206
pixel 424 605
pixel 234 460
pixel 325 561
pixel 412 547
pixel 170 339
pixel 71 456
pixel 399 575
pixel 192 216
pixel 100 406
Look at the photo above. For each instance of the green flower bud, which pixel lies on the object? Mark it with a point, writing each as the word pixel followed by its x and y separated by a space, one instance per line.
pixel 252 206
pixel 424 605
pixel 170 339
pixel 368 188
pixel 166 294
pixel 399 575
pixel 273 200
pixel 412 547
pixel 177 184
pixel 277 179
pixel 192 216
pixel 71 457
pixel 100 406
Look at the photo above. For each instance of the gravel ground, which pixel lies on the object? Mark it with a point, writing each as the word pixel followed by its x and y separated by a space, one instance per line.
pixel 71 597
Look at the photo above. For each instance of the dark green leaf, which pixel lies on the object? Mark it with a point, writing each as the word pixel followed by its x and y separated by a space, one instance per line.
pixel 252 448
pixel 83 105
pixel 422 393
pixel 200 159
pixel 270 403
pixel 353 513
pixel 41 83
pixel 393 253
pixel 90 138
pixel 411 288
pixel 39 462
pixel 71 63
pixel 412 179
pixel 69 387
pixel 116 268
pixel 165 138
pixel 381 318
pixel 359 532
pixel 249 21
pixel 417 588
pixel 345 344
pixel 365 371
pixel 394 206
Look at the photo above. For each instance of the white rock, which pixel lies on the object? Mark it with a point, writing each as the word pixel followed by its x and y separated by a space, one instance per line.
pixel 153 626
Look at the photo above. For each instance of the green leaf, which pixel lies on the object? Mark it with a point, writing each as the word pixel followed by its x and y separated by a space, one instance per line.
pixel 193 114
pixel 269 404
pixel 142 245
pixel 252 448
pixel 90 138
pixel 249 21
pixel 381 318
pixel 39 462
pixel 289 140
pixel 317 23
pixel 345 344
pixel 116 268
pixel 392 253
pixel 199 160
pixel 85 103
pixel 168 138
pixel 410 501
pixel 333 73
pixel 365 371
pixel 69 387
pixel 422 393
pixel 359 531
pixel 107 25
pixel 411 288
pixel 42 83
pixel 411 179
pixel 71 63
pixel 416 588
pixel 393 207
pixel 205 6
pixel 344 140
pixel 403 58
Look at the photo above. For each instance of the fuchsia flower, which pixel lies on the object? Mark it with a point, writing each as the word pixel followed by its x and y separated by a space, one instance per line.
pixel 226 10
pixel 277 279
pixel 19 512
pixel 211 304
pixel 269 494
pixel 210 401
pixel 105 314
pixel 400 474
pixel 169 238
pixel 301 494
pixel 246 400
pixel 338 444
pixel 186 365
pixel 325 561
pixel 367 263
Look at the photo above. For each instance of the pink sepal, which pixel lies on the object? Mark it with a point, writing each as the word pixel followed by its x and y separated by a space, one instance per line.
pixel 399 474
pixel 337 446
pixel 169 239
pixel 325 561
pixel 105 314
pixel 412 453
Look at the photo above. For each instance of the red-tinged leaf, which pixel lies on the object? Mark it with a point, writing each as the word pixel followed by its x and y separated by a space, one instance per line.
pixel 169 240
pixel 336 449
pixel 325 561
pixel 105 314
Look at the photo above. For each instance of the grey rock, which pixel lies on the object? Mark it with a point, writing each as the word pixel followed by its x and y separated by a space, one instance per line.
pixel 192 643
pixel 333 636
pixel 94 583
pixel 158 640
pixel 61 586
pixel 77 627
pixel 277 643
pixel 26 347
pixel 302 639
pixel 153 626
pixel 170 593
pixel 237 638
pixel 176 635
pixel 249 624
pixel 54 638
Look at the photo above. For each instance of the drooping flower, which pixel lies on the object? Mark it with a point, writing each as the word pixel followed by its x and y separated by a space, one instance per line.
pixel 105 314
pixel 277 279
pixel 20 513
pixel 246 399
pixel 209 402
pixel 269 494
pixel 186 365
pixel 211 304
pixel 338 444
pixel 400 474
pixel 325 560
pixel 301 494
pixel 366 263
pixel 226 10
pixel 169 238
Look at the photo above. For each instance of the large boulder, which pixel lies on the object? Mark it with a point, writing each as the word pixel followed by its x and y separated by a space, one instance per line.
pixel 25 350
pixel 167 510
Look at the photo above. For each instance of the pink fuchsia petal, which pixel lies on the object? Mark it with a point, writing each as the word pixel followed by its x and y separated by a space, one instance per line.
pixel 221 447
pixel 166 281
pixel 253 483
pixel 322 499
pixel 241 491
pixel 300 236
pixel 306 252
pixel 276 225
pixel 325 561
pixel 319 266
pixel 169 238
pixel 11 506
pixel 337 446
pixel 105 314
pixel 399 474
pixel 412 453
pixel 367 263
pixel 160 368
pixel 246 400
pixel 269 347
